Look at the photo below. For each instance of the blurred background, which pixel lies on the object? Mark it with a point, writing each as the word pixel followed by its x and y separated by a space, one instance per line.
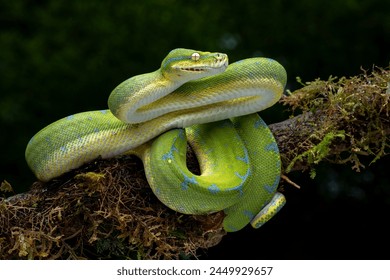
pixel 62 57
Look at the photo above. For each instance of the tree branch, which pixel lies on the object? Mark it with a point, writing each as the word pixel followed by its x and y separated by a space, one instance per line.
pixel 342 120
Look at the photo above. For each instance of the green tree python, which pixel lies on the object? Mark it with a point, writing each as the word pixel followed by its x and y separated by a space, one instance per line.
pixel 196 97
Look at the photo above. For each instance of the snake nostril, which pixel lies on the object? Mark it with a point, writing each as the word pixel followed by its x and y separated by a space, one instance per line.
pixel 219 57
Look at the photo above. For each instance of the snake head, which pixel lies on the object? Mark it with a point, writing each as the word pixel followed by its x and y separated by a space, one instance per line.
pixel 184 65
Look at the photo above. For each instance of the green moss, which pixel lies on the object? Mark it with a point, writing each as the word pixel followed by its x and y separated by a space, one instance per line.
pixel 350 119
pixel 318 152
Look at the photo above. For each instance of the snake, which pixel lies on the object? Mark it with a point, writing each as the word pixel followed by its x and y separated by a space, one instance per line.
pixel 195 98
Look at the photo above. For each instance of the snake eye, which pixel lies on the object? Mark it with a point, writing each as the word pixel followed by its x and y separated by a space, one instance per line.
pixel 195 56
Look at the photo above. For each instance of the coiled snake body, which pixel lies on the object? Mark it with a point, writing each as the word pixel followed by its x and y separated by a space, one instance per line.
pixel 194 96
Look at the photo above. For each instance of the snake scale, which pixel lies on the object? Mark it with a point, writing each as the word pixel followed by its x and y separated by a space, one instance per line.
pixel 196 97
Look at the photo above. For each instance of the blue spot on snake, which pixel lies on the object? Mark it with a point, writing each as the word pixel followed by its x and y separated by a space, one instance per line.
pixel 170 155
pixel 104 111
pixel 278 164
pixel 173 149
pixel 242 177
pixel 70 117
pixel 181 134
pixel 63 149
pixel 187 181
pixel 245 158
pixel 214 189
pixel 260 123
pixel 243 180
pixel 271 188
pixel 249 214
pixel 272 147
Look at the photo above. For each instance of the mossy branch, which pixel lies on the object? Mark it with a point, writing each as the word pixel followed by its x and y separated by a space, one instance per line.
pixel 106 209
pixel 340 121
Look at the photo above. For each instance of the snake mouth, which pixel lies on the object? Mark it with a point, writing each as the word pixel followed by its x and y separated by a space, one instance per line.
pixel 194 69
pixel 221 65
